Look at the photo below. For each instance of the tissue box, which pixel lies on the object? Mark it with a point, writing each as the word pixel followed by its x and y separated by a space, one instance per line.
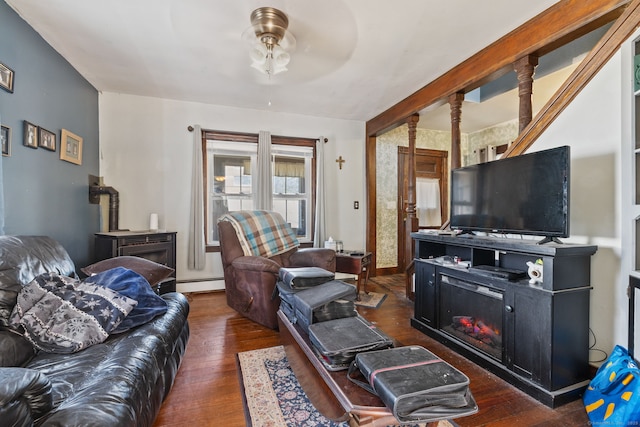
pixel 330 244
pixel 336 245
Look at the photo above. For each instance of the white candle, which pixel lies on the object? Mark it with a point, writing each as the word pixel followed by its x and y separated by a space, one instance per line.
pixel 153 222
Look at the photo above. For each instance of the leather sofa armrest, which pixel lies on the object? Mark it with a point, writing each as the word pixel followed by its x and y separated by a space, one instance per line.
pixel 314 257
pixel 25 395
pixel 254 263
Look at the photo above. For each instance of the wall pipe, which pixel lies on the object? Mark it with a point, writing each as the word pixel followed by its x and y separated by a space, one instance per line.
pixel 114 202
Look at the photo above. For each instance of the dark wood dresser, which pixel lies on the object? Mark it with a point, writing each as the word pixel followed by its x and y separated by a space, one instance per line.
pixel 156 246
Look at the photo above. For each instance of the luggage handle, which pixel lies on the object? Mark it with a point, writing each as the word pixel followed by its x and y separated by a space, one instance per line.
pixel 368 386
pixel 353 367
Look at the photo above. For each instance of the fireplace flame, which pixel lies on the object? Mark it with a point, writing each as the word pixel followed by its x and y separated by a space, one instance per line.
pixel 477 329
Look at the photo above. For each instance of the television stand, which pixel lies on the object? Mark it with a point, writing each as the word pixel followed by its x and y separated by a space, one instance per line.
pixel 533 335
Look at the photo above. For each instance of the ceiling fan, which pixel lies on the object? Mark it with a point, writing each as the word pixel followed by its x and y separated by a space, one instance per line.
pixel 270 42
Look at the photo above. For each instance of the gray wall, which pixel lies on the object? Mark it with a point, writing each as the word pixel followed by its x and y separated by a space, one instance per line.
pixel 44 195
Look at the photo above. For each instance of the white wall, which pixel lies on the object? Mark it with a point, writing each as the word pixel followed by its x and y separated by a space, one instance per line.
pixel 146 154
pixel 591 125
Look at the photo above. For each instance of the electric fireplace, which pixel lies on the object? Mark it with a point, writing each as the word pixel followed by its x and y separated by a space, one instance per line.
pixel 472 313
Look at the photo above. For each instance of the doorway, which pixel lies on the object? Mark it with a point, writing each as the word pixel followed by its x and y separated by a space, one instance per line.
pixel 432 192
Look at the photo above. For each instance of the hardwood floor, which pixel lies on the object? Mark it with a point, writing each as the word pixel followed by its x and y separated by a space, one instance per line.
pixel 207 390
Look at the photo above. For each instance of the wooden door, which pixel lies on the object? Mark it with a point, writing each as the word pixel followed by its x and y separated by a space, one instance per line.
pixel 429 164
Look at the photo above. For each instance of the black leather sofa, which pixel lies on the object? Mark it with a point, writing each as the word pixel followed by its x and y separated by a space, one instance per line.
pixel 119 382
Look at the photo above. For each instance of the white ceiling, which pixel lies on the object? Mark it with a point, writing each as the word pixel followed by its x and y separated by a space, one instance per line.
pixel 354 58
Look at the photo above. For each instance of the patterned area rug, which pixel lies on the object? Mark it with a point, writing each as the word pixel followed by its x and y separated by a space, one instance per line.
pixel 371 300
pixel 272 395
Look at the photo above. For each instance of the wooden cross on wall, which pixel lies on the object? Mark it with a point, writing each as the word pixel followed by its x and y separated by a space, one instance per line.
pixel 340 161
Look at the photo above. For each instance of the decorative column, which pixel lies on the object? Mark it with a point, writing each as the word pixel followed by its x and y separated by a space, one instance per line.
pixel 455 102
pixel 525 68
pixel 411 219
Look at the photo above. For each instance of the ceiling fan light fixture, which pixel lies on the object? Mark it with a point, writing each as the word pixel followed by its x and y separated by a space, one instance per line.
pixel 270 41
pixel 258 54
pixel 281 57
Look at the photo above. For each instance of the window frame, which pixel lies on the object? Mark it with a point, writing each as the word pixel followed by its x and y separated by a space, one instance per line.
pixel 229 136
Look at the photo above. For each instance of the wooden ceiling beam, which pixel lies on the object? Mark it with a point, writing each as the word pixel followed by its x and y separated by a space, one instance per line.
pixel 561 23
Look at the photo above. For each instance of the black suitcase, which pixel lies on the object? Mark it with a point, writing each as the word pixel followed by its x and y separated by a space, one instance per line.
pixel 330 300
pixel 297 278
pixel 336 342
pixel 416 385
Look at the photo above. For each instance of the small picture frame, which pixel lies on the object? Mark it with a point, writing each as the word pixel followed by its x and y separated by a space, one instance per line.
pixel 5 140
pixel 70 147
pixel 46 139
pixel 6 78
pixel 30 135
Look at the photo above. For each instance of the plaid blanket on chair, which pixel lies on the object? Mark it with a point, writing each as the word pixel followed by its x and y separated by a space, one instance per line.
pixel 262 233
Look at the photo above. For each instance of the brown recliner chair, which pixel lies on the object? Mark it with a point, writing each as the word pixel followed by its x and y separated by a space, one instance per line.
pixel 250 281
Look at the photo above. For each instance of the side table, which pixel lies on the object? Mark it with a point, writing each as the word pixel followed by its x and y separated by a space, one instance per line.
pixel 357 263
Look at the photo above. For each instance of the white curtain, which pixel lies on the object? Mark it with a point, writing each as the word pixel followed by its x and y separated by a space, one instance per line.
pixel 196 245
pixel 428 202
pixel 263 187
pixel 320 229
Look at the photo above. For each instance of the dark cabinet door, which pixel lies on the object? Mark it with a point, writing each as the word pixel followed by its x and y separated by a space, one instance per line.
pixel 528 328
pixel 548 342
pixel 425 293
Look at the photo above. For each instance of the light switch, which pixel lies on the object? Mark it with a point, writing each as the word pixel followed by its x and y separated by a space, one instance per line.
pixel 356 205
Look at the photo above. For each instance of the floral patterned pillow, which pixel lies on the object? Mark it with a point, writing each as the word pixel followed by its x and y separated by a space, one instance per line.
pixel 61 314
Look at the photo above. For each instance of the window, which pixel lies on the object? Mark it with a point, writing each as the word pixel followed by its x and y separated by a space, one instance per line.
pixel 292 187
pixel 230 159
pixel 228 184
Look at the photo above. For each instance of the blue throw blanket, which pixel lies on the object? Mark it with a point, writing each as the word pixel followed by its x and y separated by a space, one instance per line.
pixel 131 285
pixel 262 233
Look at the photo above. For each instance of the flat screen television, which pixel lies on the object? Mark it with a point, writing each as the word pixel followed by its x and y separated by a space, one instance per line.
pixel 526 194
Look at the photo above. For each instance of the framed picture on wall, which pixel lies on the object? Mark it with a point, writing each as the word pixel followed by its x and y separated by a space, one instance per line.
pixel 30 135
pixel 5 140
pixel 70 147
pixel 6 78
pixel 46 139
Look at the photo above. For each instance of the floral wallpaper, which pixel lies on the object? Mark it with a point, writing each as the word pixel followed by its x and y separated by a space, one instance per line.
pixel 387 173
pixel 503 133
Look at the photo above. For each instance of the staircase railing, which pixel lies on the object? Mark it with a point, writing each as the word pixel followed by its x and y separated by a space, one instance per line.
pixel 608 45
